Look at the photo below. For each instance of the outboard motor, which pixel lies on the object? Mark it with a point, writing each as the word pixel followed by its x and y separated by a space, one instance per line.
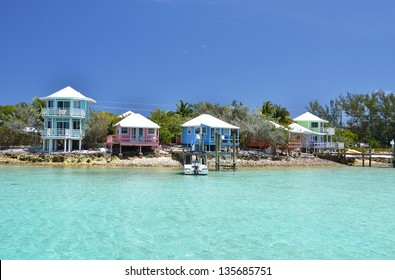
pixel 195 168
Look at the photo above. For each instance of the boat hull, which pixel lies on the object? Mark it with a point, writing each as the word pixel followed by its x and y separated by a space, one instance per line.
pixel 195 169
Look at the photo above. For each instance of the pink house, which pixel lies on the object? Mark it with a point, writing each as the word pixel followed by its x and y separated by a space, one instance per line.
pixel 134 130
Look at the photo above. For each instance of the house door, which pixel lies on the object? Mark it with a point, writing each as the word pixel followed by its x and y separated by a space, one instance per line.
pixel 140 134
pixel 137 135
pixel 62 127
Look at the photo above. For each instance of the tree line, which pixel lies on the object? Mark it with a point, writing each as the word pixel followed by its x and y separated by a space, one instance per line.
pixel 368 118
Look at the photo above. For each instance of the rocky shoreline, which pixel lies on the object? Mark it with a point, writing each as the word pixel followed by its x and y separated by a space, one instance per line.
pixel 166 160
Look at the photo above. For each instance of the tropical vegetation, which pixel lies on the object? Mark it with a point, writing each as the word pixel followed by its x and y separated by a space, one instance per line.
pixel 368 118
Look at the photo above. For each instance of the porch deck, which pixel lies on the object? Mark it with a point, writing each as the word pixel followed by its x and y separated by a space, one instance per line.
pixel 64 112
pixel 150 140
pixel 61 133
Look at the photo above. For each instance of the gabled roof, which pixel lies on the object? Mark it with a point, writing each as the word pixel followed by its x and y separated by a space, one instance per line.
pixel 297 128
pixel 309 117
pixel 136 120
pixel 68 92
pixel 276 125
pixel 210 121
pixel 124 115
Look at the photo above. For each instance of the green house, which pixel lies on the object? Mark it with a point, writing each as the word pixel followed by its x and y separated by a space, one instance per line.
pixel 321 136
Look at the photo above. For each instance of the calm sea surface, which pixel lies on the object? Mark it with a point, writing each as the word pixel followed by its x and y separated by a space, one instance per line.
pixel 125 213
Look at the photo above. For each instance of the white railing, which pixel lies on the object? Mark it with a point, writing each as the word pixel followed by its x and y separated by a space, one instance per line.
pixel 61 132
pixel 73 112
pixel 133 139
pixel 326 145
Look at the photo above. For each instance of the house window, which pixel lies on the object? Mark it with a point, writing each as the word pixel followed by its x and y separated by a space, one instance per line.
pixel 197 130
pixel 62 125
pixel 204 130
pixel 124 130
pixel 189 131
pixel 151 131
pixel 50 103
pixel 63 104
pixel 76 125
pixel 77 104
pixel 49 124
pixel 212 133
pixel 314 124
pixel 141 132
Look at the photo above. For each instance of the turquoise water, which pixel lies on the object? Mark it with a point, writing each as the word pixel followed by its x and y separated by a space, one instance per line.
pixel 124 213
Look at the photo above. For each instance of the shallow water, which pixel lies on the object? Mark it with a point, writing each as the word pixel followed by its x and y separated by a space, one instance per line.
pixel 129 213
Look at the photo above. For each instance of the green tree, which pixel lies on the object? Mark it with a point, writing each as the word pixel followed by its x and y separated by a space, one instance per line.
pixel 387 116
pixel 371 116
pixel 331 113
pixel 275 112
pixel 39 105
pixel 215 110
pixel 281 115
pixel 98 126
pixel 170 125
pixel 260 132
pixel 316 109
pixel 267 109
pixel 346 136
pixel 6 110
pixel 20 126
pixel 184 109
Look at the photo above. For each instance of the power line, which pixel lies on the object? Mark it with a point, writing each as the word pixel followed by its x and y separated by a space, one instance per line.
pixel 121 108
pixel 148 104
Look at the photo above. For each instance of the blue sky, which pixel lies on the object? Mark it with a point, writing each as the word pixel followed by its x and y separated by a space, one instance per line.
pixel 144 54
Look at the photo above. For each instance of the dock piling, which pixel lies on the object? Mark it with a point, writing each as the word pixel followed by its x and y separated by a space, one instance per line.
pixel 217 155
pixel 234 152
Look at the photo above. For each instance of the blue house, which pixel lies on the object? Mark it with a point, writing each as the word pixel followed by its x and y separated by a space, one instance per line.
pixel 201 132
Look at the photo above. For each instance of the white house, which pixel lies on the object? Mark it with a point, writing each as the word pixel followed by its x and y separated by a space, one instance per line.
pixel 65 116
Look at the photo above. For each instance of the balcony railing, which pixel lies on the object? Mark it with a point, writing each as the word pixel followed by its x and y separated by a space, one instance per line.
pixel 66 112
pixel 316 145
pixel 63 132
pixel 116 139
pixel 226 140
pixel 327 145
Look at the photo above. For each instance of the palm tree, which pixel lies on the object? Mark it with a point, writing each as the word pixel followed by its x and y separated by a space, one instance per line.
pixel 184 109
pixel 267 109
pixel 39 105
pixel 282 115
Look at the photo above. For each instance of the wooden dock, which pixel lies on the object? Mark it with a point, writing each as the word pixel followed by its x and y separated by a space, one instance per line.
pixel 369 157
pixel 225 160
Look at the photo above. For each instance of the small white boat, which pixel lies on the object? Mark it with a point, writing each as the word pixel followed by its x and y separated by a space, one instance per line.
pixel 196 168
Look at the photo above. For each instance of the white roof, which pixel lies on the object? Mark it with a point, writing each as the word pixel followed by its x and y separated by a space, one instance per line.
pixel 276 125
pixel 68 92
pixel 210 121
pixel 136 120
pixel 309 117
pixel 124 115
pixel 297 128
